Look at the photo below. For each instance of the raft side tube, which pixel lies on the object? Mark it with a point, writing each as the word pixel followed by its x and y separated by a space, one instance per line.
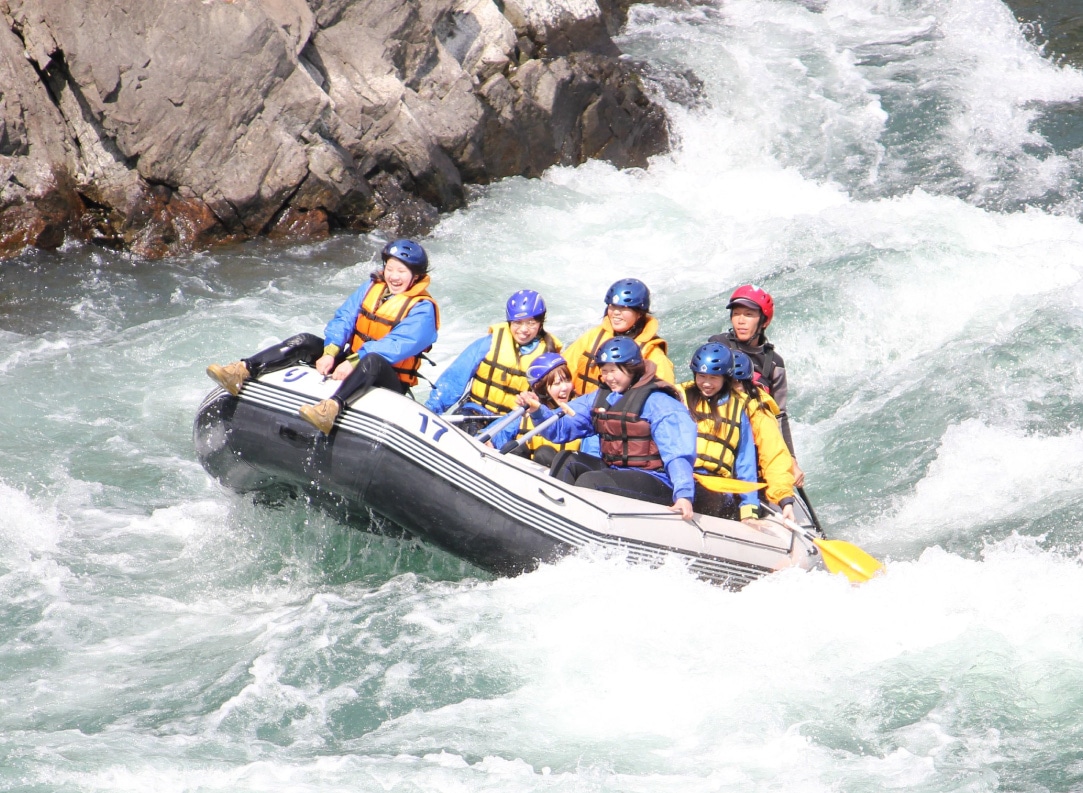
pixel 503 513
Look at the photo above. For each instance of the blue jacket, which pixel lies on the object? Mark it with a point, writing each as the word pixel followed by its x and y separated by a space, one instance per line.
pixel 672 429
pixel 455 381
pixel 507 434
pixel 415 334
pixel 589 445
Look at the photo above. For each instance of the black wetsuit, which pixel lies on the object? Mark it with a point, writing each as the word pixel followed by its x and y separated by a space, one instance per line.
pixel 771 368
pixel 371 370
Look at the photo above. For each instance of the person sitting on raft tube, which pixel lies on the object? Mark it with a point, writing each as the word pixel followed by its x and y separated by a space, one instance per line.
pixel 751 311
pixel 488 375
pixel 627 315
pixel 775 463
pixel 376 338
pixel 551 382
pixel 648 440
pixel 724 441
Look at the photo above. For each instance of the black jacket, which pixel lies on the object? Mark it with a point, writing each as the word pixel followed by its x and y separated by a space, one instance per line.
pixel 772 370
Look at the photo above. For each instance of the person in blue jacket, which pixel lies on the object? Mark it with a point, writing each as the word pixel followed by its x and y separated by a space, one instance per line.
pixel 376 338
pixel 551 380
pixel 647 437
pixel 487 376
pixel 725 445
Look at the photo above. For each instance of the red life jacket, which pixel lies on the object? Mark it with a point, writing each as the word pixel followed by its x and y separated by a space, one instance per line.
pixel 626 439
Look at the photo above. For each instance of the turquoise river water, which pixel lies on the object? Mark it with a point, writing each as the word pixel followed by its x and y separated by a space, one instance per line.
pixel 905 177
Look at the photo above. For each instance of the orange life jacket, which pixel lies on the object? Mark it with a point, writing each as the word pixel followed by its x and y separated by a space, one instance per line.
pixel 581 355
pixel 381 311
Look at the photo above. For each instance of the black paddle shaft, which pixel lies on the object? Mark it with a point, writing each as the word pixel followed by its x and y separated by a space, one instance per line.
pixel 811 512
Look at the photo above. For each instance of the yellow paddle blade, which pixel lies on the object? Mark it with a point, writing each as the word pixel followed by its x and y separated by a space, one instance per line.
pixel 846 558
pixel 722 484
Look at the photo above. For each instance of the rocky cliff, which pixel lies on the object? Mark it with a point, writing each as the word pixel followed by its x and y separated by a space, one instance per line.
pixel 163 127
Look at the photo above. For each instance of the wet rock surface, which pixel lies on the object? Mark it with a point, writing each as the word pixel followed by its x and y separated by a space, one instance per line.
pixel 164 128
pixel 1055 24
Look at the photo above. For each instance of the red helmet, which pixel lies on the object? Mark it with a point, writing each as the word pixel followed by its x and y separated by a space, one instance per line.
pixel 752 296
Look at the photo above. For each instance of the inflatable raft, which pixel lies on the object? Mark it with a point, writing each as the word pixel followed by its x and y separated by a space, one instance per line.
pixel 503 513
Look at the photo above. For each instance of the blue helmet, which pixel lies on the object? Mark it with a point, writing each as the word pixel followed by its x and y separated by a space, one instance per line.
pixel 629 292
pixel 620 350
pixel 525 304
pixel 713 358
pixel 543 365
pixel 409 253
pixel 742 366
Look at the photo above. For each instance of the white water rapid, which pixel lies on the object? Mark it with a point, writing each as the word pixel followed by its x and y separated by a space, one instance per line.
pixel 895 172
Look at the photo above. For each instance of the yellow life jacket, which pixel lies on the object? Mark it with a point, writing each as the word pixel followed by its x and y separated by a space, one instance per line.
pixel 501 375
pixel 718 429
pixel 581 355
pixel 381 311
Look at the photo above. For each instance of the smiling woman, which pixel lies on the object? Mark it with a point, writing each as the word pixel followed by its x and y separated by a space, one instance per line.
pixel 627 315
pixel 376 338
pixel 647 439
pixel 485 378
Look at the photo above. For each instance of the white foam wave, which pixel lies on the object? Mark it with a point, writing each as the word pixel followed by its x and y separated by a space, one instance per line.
pixel 639 673
pixel 986 473
pixel 26 526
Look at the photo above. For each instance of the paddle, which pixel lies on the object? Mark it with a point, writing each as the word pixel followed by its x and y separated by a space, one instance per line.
pixel 459 418
pixel 811 513
pixel 513 444
pixel 723 484
pixel 496 426
pixel 447 414
pixel 839 556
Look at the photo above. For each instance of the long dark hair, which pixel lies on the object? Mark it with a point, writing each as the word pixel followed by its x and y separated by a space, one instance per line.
pixel 751 389
pixel 728 390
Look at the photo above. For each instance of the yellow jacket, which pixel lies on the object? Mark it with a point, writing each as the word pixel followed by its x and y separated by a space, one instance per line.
pixel 776 464
pixel 580 354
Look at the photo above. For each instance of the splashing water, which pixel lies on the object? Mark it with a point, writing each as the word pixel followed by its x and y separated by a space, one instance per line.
pixel 893 172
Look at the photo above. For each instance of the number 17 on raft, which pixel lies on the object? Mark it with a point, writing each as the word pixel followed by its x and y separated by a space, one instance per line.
pixel 437 430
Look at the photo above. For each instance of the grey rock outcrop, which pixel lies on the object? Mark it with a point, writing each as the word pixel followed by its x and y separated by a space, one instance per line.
pixel 166 127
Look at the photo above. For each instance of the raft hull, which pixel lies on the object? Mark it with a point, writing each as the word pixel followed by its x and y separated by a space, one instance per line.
pixel 390 455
